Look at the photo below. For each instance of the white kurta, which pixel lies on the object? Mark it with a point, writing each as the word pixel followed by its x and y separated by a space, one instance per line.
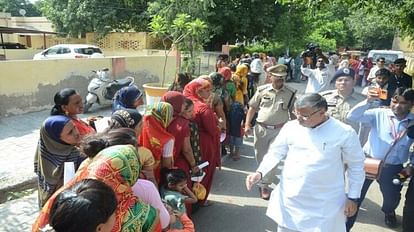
pixel 318 80
pixel 311 194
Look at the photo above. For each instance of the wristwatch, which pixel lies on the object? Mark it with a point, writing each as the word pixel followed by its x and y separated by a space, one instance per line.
pixel 356 200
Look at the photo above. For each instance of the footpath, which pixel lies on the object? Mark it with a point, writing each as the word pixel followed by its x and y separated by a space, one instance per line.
pixel 18 141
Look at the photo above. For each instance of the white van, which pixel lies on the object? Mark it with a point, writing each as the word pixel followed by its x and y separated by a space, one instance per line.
pixel 389 55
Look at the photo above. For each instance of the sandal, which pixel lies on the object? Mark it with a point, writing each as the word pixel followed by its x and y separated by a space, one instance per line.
pixel 236 157
pixel 207 203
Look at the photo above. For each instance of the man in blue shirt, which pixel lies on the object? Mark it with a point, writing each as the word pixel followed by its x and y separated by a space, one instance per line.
pixel 388 125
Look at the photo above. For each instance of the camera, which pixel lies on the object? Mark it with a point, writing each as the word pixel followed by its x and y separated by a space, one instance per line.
pixel 310 50
pixel 310 54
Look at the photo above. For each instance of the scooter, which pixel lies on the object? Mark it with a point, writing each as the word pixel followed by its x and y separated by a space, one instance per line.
pixel 102 89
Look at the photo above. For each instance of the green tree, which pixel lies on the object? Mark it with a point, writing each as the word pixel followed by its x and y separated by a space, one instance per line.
pixel 14 6
pixel 370 30
pixel 372 22
pixel 76 17
pixel 242 20
pixel 182 24
pixel 291 29
pixel 185 33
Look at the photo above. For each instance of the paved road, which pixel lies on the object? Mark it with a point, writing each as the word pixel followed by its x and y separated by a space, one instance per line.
pixel 235 209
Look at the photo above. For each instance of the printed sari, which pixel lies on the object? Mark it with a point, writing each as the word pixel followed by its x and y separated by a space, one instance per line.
pixel 118 167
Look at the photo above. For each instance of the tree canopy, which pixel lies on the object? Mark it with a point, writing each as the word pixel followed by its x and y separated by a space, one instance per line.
pixel 76 17
pixel 286 23
pixel 14 7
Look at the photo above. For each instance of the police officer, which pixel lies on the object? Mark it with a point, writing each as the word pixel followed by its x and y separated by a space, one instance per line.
pixel 274 103
pixel 343 98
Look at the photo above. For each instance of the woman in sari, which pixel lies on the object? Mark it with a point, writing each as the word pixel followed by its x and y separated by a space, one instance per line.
pixel 181 79
pixel 118 167
pixel 179 128
pixel 58 137
pixel 219 95
pixel 71 211
pixel 129 97
pixel 68 102
pixel 240 80
pixel 199 90
pixel 155 137
pixel 131 118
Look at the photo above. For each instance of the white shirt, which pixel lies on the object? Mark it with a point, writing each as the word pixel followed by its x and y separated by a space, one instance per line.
pixel 311 195
pixel 318 80
pixel 256 66
pixel 372 72
pixel 168 149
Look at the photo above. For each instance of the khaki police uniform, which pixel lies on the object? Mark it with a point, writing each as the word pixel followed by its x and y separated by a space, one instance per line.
pixel 272 107
pixel 338 108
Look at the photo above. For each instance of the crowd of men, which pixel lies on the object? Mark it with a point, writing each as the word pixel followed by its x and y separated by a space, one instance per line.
pixel 326 134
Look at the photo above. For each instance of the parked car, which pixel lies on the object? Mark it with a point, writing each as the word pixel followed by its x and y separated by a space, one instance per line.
pixel 69 51
pixel 389 55
pixel 12 46
pixel 358 53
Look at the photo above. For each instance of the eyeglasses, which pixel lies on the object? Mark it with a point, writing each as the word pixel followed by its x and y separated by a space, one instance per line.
pixel 307 117
pixel 381 61
pixel 320 60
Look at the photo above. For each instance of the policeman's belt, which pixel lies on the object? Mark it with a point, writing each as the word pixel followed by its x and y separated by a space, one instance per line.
pixel 277 126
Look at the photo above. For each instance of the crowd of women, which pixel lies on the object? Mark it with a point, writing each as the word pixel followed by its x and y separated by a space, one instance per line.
pixel 136 174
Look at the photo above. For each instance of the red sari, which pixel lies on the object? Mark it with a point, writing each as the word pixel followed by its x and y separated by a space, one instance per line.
pixel 180 129
pixel 83 127
pixel 209 132
pixel 154 135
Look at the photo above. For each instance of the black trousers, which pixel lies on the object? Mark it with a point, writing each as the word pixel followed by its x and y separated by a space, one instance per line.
pixel 408 211
pixel 391 193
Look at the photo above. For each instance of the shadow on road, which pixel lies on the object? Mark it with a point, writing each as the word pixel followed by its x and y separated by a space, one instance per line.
pixel 374 215
pixel 234 208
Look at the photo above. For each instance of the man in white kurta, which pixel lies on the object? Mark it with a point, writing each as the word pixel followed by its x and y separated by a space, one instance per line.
pixel 319 78
pixel 311 195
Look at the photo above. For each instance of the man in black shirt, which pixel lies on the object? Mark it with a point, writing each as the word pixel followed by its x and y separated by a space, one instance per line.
pixel 399 77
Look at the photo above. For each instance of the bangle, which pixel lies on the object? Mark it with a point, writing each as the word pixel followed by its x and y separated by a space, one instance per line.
pixel 261 175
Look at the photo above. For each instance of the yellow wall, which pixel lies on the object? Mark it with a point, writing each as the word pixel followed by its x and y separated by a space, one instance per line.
pixel 27 54
pixel 29 85
pixel 402 44
pixel 132 41
pixel 21 54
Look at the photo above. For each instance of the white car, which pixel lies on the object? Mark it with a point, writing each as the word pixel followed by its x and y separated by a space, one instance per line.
pixel 69 51
pixel 389 55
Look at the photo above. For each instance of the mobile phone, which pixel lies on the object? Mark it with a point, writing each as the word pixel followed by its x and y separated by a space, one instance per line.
pixel 382 94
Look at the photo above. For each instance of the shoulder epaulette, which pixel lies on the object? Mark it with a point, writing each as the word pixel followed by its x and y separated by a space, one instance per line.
pixel 290 89
pixel 264 87
pixel 327 92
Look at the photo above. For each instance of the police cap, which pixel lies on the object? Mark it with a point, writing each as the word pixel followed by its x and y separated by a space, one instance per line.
pixel 279 70
pixel 344 72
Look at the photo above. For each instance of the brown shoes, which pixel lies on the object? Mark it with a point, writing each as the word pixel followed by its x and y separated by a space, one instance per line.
pixel 264 193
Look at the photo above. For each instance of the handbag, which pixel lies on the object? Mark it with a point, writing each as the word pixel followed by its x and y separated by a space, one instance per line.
pixel 373 166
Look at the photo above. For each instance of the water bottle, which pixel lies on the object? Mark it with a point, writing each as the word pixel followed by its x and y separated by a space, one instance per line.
pixel 400 178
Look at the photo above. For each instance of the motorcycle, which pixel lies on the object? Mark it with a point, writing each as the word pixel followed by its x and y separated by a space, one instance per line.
pixel 102 89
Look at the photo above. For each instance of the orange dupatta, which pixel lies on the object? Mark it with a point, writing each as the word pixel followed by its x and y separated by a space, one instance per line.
pixel 154 134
